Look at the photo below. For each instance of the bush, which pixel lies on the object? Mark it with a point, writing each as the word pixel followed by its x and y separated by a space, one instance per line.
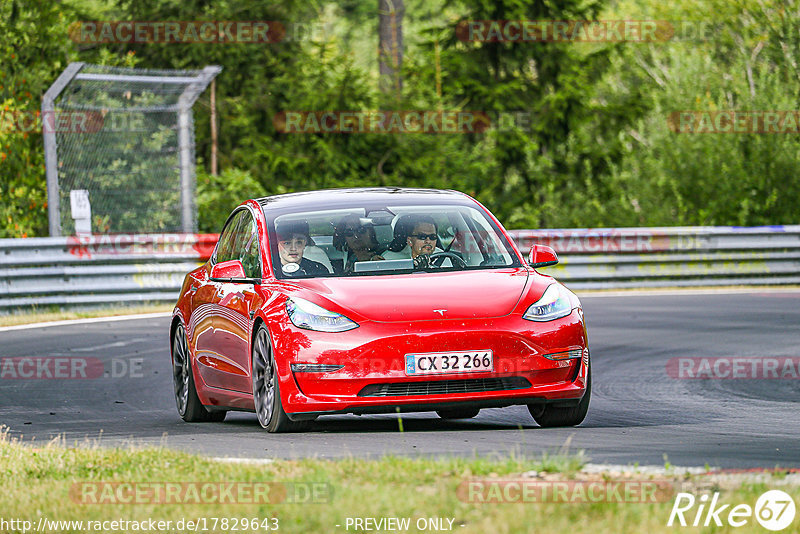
pixel 218 195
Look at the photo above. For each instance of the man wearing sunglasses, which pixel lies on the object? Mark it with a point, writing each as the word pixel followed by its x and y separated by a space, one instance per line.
pixel 422 240
pixel 416 236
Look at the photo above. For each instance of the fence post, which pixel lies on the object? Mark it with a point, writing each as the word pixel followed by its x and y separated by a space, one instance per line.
pixel 186 144
pixel 50 149
pixel 185 160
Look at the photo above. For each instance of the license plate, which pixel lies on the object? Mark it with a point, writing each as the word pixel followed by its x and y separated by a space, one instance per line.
pixel 449 362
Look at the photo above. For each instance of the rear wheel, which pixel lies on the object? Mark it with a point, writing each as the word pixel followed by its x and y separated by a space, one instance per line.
pixel 190 408
pixel 266 388
pixel 552 416
pixel 458 413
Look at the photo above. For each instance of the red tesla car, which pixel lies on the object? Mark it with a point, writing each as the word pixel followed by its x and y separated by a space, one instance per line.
pixel 370 301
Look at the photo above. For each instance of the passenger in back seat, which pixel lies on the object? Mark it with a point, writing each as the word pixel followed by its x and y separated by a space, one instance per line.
pixel 357 241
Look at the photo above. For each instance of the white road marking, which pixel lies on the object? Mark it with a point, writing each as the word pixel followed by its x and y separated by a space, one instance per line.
pixel 111 345
pixel 86 321
pixel 589 293
pixel 244 460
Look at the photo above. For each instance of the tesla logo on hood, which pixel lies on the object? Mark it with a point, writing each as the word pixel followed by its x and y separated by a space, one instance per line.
pixel 440 312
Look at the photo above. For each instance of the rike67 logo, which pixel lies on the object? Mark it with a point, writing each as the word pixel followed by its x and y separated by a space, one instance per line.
pixel 774 510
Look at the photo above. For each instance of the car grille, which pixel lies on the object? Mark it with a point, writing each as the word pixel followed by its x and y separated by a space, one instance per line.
pixel 444 387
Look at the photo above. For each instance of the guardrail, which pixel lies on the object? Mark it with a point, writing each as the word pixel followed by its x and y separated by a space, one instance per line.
pixel 119 269
pixel 670 257
pixel 98 269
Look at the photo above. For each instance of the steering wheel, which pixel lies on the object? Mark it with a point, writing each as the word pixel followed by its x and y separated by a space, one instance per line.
pixel 440 256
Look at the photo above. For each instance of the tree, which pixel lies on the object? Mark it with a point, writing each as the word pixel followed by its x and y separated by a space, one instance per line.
pixel 390 44
pixel 570 136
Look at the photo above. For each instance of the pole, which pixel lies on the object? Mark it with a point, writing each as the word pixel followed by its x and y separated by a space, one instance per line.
pixel 50 147
pixel 185 157
pixel 213 127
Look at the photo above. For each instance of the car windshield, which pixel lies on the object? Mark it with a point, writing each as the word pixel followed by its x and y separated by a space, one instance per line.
pixel 374 241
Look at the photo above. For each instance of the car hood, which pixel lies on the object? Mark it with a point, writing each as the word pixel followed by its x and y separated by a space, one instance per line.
pixel 416 297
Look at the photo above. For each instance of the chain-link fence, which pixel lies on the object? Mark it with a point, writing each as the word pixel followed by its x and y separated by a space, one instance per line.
pixel 124 138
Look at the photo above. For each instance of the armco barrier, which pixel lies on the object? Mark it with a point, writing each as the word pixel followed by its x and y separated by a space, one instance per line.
pixel 98 269
pixel 103 269
pixel 670 257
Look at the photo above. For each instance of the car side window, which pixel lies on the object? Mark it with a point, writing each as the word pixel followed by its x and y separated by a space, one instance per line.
pixel 248 247
pixel 227 241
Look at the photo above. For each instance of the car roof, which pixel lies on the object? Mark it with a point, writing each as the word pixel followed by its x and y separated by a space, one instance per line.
pixel 361 195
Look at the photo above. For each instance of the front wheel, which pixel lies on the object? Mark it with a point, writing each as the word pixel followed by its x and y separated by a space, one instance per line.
pixel 266 388
pixel 190 408
pixel 552 416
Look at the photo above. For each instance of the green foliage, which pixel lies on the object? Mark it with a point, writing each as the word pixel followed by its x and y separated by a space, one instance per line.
pixel 24 75
pixel 668 178
pixel 218 195
pixel 595 149
pixel 23 200
pixel 34 49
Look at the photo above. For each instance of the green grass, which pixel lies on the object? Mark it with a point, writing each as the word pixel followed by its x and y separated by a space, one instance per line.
pixel 36 482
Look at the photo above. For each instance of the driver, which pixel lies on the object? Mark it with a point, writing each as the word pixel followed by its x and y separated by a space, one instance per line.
pixel 416 236
pixel 292 240
pixel 422 241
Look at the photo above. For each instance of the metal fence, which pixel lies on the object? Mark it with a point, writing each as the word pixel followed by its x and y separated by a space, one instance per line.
pixel 119 143
pixel 119 269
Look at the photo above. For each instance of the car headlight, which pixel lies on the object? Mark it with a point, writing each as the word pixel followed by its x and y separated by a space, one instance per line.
pixel 554 304
pixel 305 314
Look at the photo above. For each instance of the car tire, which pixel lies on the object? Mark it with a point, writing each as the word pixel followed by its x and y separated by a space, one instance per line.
pixel 458 413
pixel 266 388
pixel 189 406
pixel 553 416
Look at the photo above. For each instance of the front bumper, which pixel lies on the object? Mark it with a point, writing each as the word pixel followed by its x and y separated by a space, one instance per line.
pixel 372 357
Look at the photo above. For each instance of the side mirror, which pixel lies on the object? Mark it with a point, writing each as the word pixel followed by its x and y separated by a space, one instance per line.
pixel 228 269
pixel 542 256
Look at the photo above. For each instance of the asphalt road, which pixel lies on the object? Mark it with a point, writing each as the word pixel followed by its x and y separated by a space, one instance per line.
pixel 638 412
